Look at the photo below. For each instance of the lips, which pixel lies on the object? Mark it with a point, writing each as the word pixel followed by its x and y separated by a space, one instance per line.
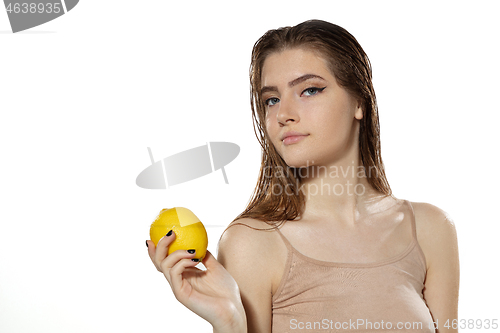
pixel 292 137
pixel 292 133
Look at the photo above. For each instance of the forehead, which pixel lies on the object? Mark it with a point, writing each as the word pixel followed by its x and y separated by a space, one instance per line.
pixel 292 63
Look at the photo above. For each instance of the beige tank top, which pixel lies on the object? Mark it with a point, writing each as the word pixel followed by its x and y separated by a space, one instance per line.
pixel 322 296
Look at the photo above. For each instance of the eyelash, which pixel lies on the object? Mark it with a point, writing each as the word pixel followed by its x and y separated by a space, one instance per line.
pixel 317 90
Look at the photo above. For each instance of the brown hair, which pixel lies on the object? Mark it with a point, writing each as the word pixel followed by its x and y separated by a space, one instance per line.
pixel 352 70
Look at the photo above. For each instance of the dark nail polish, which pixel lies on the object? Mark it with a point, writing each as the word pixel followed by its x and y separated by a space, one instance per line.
pixel 169 233
pixel 195 260
pixel 191 251
pixel 147 244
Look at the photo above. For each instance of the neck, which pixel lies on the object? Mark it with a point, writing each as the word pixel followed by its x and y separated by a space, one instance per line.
pixel 338 191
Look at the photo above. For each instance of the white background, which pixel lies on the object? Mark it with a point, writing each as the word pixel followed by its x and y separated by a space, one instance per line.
pixel 83 96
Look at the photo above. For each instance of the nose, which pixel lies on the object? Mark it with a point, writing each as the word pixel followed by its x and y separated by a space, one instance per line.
pixel 287 111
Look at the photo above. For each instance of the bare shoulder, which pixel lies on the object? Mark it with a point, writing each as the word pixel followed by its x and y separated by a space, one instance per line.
pixel 431 220
pixel 246 238
pixel 435 230
pixel 249 249
pixel 248 246
pixel 247 252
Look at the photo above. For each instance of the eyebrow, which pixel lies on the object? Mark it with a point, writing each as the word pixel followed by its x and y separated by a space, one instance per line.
pixel 292 83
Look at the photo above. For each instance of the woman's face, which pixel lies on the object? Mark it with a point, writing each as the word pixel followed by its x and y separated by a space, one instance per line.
pixel 302 95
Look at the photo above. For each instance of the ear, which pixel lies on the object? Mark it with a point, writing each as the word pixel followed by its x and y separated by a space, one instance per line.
pixel 359 112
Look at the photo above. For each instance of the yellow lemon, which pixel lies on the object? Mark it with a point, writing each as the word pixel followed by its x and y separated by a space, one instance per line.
pixel 189 231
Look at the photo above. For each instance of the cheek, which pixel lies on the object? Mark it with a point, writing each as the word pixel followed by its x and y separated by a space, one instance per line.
pixel 332 121
pixel 267 122
pixel 273 130
pixel 271 127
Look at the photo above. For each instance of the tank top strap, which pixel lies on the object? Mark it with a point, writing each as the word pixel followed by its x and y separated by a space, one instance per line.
pixel 414 235
pixel 285 240
pixel 413 224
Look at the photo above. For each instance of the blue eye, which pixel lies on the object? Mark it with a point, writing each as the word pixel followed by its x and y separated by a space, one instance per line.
pixel 312 91
pixel 272 101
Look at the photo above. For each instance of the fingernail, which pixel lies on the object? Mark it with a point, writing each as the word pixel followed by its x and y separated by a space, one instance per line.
pixel 191 251
pixel 169 233
pixel 147 244
pixel 195 260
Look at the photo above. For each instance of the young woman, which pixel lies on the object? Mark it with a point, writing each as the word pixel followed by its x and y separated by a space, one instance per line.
pixel 323 246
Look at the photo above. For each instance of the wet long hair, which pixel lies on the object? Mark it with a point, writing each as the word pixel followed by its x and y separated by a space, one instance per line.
pixel 352 70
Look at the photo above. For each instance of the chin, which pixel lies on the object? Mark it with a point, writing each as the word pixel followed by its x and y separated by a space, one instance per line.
pixel 302 156
pixel 300 162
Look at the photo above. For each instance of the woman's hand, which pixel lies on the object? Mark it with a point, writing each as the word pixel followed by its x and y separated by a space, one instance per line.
pixel 212 294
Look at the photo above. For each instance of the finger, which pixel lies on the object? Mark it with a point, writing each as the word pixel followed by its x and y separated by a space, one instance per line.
pixel 162 248
pixel 152 253
pixel 209 261
pixel 175 276
pixel 151 249
pixel 173 258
